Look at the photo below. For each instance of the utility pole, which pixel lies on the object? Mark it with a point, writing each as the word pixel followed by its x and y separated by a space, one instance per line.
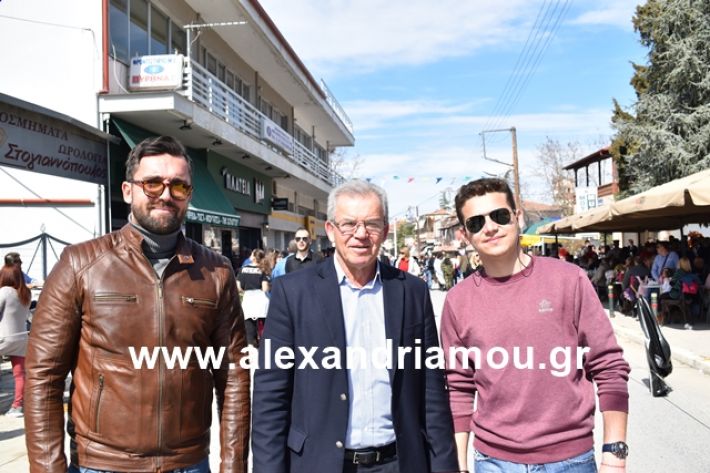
pixel 416 209
pixel 514 165
pixel 394 247
pixel 516 172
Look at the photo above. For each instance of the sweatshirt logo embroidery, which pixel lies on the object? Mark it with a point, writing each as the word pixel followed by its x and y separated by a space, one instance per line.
pixel 545 306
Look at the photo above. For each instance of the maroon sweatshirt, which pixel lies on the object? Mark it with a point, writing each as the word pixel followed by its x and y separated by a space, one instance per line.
pixel 536 413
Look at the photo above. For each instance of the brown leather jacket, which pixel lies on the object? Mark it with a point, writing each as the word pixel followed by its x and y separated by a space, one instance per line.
pixel 103 297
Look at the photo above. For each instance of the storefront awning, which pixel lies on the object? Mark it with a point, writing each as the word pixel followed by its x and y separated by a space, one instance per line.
pixel 208 205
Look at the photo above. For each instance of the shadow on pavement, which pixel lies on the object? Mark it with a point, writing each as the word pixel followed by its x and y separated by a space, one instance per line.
pixel 11 434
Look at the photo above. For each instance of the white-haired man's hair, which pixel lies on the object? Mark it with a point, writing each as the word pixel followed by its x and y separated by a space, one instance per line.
pixel 359 188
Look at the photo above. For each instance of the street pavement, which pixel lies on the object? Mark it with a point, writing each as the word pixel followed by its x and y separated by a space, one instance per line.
pixel 671 433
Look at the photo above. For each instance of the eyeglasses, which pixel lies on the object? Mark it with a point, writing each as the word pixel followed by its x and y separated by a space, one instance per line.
pixel 302 238
pixel 154 188
pixel 349 227
pixel 476 223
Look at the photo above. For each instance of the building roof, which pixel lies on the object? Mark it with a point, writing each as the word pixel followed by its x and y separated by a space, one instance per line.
pixel 438 212
pixel 531 206
pixel 598 155
pixel 274 29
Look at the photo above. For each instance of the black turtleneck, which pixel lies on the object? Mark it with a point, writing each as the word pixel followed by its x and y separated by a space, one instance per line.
pixel 159 249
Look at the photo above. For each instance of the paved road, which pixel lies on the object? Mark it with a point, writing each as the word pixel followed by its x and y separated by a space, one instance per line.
pixel 665 434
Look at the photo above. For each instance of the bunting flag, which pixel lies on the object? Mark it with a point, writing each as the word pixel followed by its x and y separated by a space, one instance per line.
pixel 419 179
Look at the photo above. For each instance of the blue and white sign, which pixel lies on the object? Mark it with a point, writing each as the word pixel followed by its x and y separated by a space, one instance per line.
pixel 276 135
pixel 160 72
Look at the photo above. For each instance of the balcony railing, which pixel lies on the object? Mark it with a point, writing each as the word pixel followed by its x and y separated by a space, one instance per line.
pixel 207 90
pixel 335 105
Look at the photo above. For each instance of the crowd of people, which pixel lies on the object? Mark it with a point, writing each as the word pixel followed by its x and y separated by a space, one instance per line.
pixel 631 268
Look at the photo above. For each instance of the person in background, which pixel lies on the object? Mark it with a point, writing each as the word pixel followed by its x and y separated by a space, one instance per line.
pixel 14 310
pixel 13 259
pixel 304 255
pixel 438 271
pixel 449 271
pixel 407 263
pixel 384 258
pixel 280 268
pixel 665 258
pixel 632 249
pixel 254 283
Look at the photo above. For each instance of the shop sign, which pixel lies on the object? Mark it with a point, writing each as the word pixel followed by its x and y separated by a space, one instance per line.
pixel 279 203
pixel 259 191
pixel 209 218
pixel 234 183
pixel 159 72
pixel 35 142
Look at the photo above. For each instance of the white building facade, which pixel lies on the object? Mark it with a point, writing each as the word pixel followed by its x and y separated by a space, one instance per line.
pixel 219 76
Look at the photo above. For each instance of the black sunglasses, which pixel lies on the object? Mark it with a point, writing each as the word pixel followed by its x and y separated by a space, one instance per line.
pixel 500 216
pixel 301 238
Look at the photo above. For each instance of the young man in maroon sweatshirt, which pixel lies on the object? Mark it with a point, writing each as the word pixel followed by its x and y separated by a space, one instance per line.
pixel 529 335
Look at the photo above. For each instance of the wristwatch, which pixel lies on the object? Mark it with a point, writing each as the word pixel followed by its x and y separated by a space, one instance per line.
pixel 619 449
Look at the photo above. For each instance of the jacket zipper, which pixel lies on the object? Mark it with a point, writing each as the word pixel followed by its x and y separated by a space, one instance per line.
pixel 195 302
pixel 161 323
pixel 98 403
pixel 115 298
pixel 160 369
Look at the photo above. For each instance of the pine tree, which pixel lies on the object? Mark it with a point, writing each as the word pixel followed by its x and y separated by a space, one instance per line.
pixel 667 134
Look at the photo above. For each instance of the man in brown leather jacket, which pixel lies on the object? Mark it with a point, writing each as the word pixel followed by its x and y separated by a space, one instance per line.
pixel 145 285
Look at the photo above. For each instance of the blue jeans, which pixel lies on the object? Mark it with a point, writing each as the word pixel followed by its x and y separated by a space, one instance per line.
pixel 583 463
pixel 202 467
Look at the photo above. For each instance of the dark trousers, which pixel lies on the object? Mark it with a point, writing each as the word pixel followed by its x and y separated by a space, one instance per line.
pixel 252 332
pixel 388 467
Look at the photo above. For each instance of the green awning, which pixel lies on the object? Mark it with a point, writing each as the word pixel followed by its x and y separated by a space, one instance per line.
pixel 208 205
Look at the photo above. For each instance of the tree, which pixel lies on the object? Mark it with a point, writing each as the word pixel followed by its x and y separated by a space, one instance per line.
pixel 666 134
pixel 345 164
pixel 552 156
pixel 404 229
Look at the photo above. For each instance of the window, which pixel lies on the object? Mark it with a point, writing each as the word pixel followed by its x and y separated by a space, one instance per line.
pixel 138 29
pixel 266 108
pixel 159 27
pixel 303 138
pixel 320 153
pixel 211 63
pixel 178 40
pixel 118 25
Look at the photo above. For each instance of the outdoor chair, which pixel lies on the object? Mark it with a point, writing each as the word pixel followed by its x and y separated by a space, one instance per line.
pixel 684 306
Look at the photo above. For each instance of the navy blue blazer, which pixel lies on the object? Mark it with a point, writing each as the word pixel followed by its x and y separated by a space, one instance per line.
pixel 300 416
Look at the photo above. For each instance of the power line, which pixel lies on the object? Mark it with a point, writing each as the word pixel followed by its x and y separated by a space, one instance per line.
pixel 543 30
pixel 534 30
pixel 536 62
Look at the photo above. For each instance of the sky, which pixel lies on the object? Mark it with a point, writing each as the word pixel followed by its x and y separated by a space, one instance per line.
pixel 420 79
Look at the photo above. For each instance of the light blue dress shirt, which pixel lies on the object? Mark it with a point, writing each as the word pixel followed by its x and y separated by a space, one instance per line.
pixel 370 393
pixel 660 262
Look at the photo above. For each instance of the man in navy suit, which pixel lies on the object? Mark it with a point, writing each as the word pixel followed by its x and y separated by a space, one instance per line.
pixel 330 414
